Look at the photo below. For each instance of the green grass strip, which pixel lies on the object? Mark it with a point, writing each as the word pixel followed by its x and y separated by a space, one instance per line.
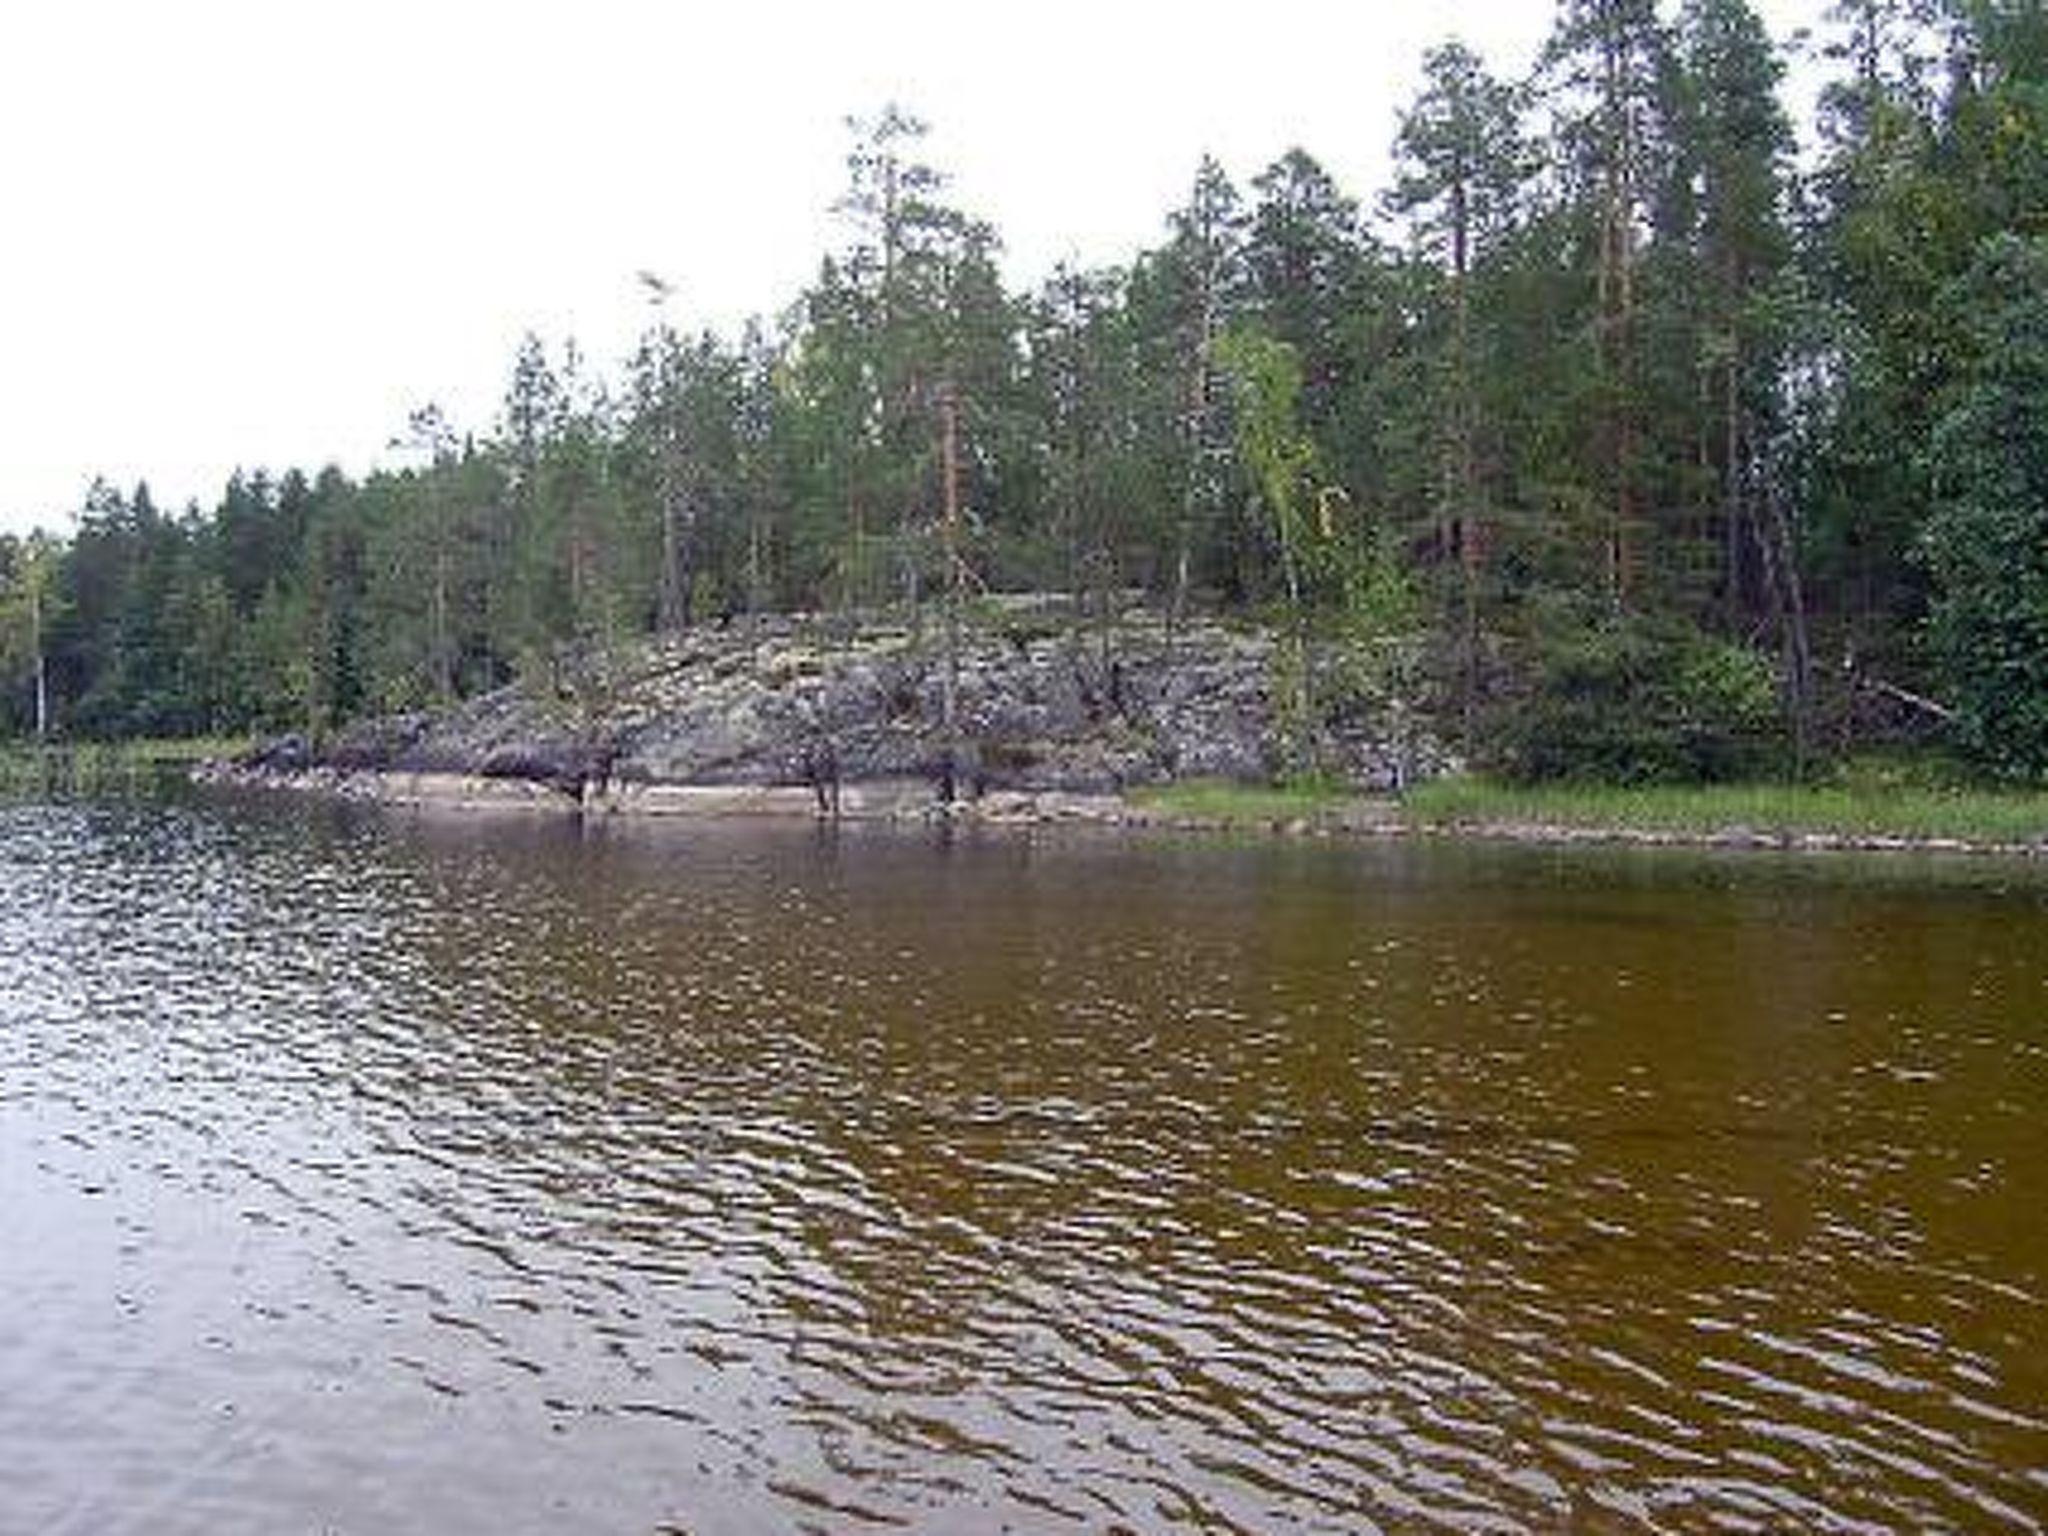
pixel 1228 803
pixel 1967 814
pixel 27 765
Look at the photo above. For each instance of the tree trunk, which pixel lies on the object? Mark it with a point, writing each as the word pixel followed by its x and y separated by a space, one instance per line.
pixel 443 660
pixel 1616 322
pixel 444 644
pixel 675 615
pixel 949 462
pixel 1781 571
pixel 1471 537
pixel 1625 425
pixel 754 561
pixel 1197 448
pixel 856 553
pixel 35 624
pixel 684 566
pixel 1731 484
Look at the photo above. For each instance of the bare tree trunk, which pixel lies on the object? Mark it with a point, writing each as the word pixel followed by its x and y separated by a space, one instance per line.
pixel 1196 433
pixel 1616 322
pixel 35 624
pixel 1919 701
pixel 1471 535
pixel 576 574
pixel 856 554
pixel 1731 485
pixel 674 600
pixel 440 639
pixel 1625 424
pixel 949 461
pixel 684 566
pixel 754 581
pixel 1781 571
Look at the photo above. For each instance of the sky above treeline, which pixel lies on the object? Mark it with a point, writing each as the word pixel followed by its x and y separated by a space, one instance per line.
pixel 252 234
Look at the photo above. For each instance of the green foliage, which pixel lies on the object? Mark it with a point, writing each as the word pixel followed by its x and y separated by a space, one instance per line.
pixel 1888 810
pixel 1986 543
pixel 1462 166
pixel 1630 702
pixel 27 613
pixel 1742 428
pixel 1338 572
pixel 1265 376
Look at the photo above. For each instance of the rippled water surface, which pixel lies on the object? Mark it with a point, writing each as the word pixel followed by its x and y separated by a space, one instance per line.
pixel 372 1174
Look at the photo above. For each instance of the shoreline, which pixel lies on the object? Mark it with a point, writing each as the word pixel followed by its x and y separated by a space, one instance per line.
pixel 909 800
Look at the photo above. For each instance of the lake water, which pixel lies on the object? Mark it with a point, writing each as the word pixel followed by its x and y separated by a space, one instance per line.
pixel 371 1173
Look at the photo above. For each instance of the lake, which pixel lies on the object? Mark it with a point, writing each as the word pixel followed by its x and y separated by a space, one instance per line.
pixel 373 1172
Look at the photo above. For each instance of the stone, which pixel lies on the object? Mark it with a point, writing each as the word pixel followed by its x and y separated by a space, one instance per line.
pixel 1044 709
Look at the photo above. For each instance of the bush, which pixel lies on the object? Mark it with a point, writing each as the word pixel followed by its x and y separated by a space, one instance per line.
pixel 1986 541
pixel 1632 702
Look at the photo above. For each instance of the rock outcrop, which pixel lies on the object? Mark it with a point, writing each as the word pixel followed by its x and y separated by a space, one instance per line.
pixel 1042 706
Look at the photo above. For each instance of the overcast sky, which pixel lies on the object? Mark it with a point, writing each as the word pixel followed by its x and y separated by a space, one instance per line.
pixel 261 233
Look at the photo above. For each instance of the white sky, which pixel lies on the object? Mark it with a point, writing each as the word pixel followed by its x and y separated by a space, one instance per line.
pixel 261 233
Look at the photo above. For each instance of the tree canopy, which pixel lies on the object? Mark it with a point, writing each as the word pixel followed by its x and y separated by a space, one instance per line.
pixel 1653 422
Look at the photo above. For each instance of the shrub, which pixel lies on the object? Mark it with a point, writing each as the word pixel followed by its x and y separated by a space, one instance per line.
pixel 1634 702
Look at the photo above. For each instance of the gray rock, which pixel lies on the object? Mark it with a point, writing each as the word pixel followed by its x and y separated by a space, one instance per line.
pixel 1043 708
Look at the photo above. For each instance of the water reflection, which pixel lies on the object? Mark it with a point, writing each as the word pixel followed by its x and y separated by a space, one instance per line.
pixel 420 1174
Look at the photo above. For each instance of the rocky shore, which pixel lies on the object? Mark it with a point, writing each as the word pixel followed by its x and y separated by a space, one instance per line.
pixel 1051 719
pixel 911 800
pixel 1053 722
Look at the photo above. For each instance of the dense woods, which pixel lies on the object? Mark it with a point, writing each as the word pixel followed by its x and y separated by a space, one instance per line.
pixel 1640 443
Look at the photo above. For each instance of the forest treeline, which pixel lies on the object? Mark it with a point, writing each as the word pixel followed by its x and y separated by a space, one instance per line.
pixel 1676 452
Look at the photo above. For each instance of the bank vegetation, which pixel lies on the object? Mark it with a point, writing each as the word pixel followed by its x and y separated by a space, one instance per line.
pixel 1615 436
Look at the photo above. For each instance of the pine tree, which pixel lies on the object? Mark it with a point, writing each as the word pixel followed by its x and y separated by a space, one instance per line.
pixel 1606 64
pixel 1460 173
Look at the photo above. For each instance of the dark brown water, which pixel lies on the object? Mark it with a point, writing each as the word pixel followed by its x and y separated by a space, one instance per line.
pixel 374 1175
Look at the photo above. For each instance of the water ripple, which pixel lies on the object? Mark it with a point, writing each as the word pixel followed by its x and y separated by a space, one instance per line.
pixel 407 1175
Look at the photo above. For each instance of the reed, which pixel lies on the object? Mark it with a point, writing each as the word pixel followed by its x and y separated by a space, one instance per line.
pixel 1963 813
pixel 98 766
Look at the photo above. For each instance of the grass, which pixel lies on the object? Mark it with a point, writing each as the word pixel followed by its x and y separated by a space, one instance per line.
pixel 28 765
pixel 1221 800
pixel 1865 802
pixel 1852 809
pixel 1868 799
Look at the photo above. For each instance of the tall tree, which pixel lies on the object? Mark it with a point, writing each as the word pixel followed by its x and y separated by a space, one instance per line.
pixel 1733 156
pixel 1606 66
pixel 1986 544
pixel 1890 231
pixel 908 247
pixel 660 421
pixel 1083 383
pixel 1461 169
pixel 1199 278
pixel 1303 254
pixel 27 572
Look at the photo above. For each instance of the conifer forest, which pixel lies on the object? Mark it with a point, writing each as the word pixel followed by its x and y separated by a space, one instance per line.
pixel 1649 434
